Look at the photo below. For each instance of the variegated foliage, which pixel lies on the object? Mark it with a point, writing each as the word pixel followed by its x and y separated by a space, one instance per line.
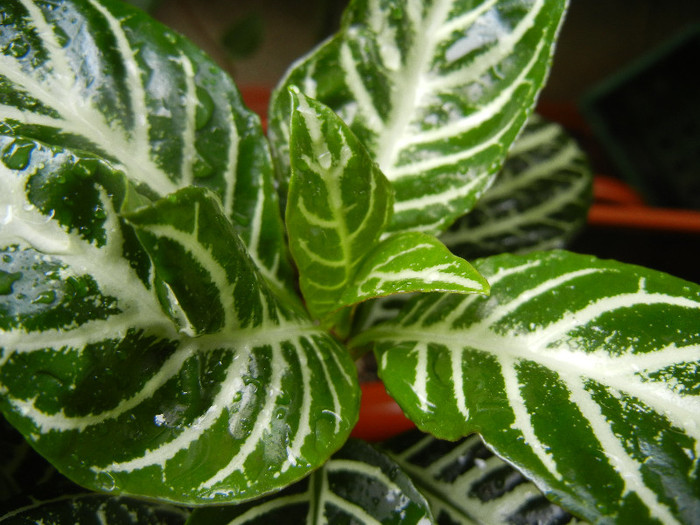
pixel 465 483
pixel 358 485
pixel 436 90
pixel 583 373
pixel 146 355
pixel 539 201
pixel 32 491
pixel 338 207
pixel 91 507
pixel 104 77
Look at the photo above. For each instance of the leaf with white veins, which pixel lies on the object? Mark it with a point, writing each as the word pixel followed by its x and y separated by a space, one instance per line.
pixel 538 202
pixel 437 91
pixel 582 373
pixel 465 483
pixel 358 484
pixel 104 77
pixel 172 373
pixel 412 262
pixel 338 205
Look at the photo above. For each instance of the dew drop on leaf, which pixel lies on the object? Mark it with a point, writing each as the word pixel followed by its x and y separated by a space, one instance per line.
pixel 16 156
pixel 45 297
pixel 205 108
pixel 7 279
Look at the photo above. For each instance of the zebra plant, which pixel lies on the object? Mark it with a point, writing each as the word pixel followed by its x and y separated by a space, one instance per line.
pixel 181 298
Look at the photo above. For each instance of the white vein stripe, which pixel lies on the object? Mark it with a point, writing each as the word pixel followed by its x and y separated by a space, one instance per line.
pixel 493 56
pixel 439 199
pixel 137 93
pixel 60 422
pixel 161 455
pixel 523 421
pixel 535 139
pixel 605 306
pixel 231 171
pixel 357 86
pixel 460 23
pixel 304 427
pixel 254 514
pixel 440 161
pixel 420 382
pixel 353 510
pixel 364 469
pixel 486 112
pixel 62 70
pixel 263 420
pixel 626 466
pixel 204 257
pixel 506 309
pixel 189 153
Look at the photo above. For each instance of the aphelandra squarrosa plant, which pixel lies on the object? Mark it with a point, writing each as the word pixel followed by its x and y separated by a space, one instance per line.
pixel 153 340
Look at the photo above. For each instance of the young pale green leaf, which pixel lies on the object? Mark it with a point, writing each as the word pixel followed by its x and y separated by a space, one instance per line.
pixel 101 76
pixel 339 203
pixel 538 202
pixel 358 485
pixel 437 91
pixel 412 262
pixel 582 373
pixel 171 372
pixel 465 483
pixel 90 507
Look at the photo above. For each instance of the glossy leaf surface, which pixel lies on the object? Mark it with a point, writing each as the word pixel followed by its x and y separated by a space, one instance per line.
pixel 412 262
pixel 339 203
pixel 465 483
pixel 338 207
pixel 539 201
pixel 104 77
pixel 357 485
pixel 581 372
pixel 90 507
pixel 206 386
pixel 437 91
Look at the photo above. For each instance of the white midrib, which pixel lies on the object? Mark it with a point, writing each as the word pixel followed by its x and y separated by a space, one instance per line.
pixel 617 373
pixel 411 81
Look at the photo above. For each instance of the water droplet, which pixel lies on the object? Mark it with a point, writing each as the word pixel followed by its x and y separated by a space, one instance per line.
pixel 45 297
pixel 105 481
pixel 7 279
pixel 17 155
pixel 17 49
pixel 205 108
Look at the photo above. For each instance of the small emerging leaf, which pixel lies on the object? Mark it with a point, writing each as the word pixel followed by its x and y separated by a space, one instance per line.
pixel 412 262
pixel 338 205
pixel 358 484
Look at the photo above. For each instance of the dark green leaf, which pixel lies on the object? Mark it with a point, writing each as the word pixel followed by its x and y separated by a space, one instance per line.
pixel 358 485
pixel 205 385
pixel 538 202
pixel 465 483
pixel 104 77
pixel 437 91
pixel 582 373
